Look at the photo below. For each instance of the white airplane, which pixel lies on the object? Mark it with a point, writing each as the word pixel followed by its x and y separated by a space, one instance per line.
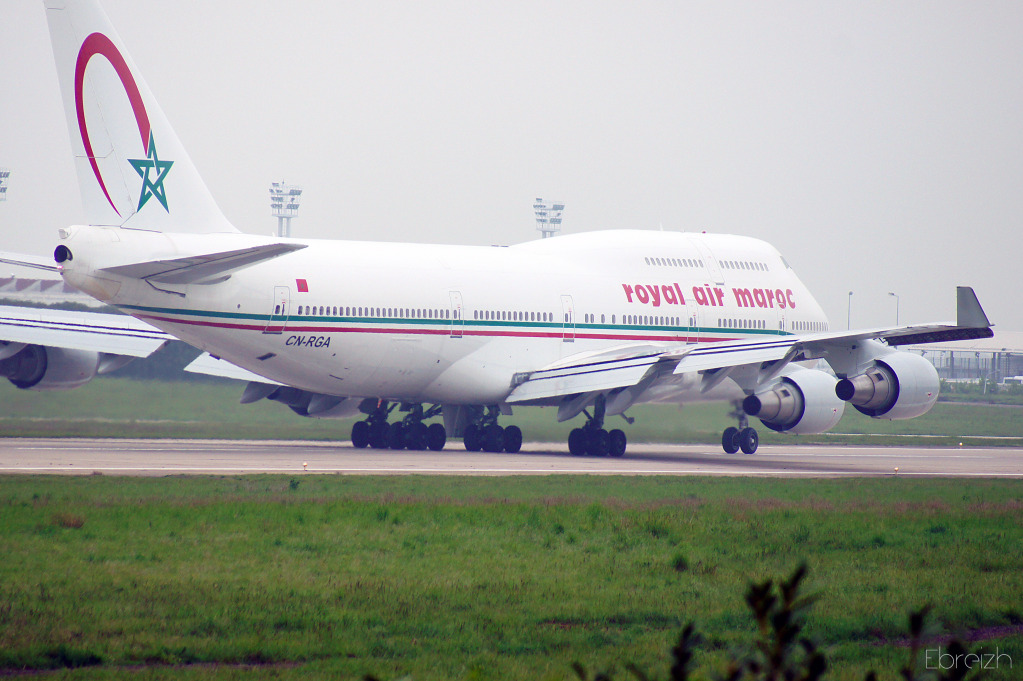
pixel 589 323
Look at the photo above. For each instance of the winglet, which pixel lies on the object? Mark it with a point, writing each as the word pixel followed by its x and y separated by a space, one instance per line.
pixel 969 313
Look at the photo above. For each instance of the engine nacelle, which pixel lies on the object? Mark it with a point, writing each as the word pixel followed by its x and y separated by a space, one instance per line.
pixel 37 367
pixel 802 402
pixel 302 402
pixel 900 385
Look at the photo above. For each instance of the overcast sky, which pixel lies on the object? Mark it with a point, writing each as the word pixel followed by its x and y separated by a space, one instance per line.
pixel 878 145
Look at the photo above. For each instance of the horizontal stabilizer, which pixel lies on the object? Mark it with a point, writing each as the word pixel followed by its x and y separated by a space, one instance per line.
pixel 93 331
pixel 208 268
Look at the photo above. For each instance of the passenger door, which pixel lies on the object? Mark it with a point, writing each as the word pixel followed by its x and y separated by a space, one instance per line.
pixel 279 316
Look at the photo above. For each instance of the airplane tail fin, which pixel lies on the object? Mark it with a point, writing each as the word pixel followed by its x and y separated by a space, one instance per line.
pixel 132 170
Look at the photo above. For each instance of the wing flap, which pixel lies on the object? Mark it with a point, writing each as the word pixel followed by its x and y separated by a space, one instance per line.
pixel 708 356
pixel 617 367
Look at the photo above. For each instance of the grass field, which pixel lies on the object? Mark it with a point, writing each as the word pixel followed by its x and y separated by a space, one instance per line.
pixel 483 578
pixel 117 407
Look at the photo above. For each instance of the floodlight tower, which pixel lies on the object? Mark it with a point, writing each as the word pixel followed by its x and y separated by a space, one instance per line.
pixel 284 199
pixel 548 218
pixel 5 174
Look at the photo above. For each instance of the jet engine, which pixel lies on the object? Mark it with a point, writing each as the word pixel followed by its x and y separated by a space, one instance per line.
pixel 803 401
pixel 899 385
pixel 35 367
pixel 302 402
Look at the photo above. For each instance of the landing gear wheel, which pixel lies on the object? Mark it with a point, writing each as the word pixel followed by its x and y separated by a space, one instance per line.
pixel 436 437
pixel 396 436
pixel 493 439
pixel 577 442
pixel 617 442
pixel 730 440
pixel 415 438
pixel 378 435
pixel 598 443
pixel 360 434
pixel 512 439
pixel 473 438
pixel 748 440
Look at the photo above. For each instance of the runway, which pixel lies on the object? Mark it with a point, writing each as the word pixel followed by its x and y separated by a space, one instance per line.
pixel 220 457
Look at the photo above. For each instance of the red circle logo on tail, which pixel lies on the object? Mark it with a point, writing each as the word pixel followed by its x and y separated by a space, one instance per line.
pixel 99 44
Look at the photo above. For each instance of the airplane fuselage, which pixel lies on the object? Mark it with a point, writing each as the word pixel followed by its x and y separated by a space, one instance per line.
pixel 453 324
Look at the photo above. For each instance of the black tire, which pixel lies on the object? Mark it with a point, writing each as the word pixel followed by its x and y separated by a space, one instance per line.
pixel 730 440
pixel 396 436
pixel 749 440
pixel 493 438
pixel 360 434
pixel 415 438
pixel 598 443
pixel 473 438
pixel 512 439
pixel 378 435
pixel 577 442
pixel 618 443
pixel 436 437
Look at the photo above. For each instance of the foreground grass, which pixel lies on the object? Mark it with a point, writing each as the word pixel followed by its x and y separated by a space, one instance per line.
pixel 117 407
pixel 480 578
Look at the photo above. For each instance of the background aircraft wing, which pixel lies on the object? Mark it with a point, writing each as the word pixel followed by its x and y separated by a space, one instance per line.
pixel 33 261
pixel 94 331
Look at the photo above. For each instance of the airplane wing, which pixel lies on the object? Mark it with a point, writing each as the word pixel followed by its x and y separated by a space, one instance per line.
pixel 630 365
pixel 971 323
pixel 214 366
pixel 93 331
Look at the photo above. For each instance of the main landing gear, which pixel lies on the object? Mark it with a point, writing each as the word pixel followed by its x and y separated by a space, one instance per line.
pixel 409 433
pixel 485 435
pixel 744 437
pixel 593 439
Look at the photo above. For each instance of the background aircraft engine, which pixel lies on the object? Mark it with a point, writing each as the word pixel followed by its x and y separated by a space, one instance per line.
pixel 804 401
pixel 899 386
pixel 36 367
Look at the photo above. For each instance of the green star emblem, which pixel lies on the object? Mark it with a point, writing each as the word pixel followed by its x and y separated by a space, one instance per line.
pixel 152 184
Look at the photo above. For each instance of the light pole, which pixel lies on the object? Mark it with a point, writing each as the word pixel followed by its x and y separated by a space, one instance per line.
pixel 548 217
pixel 896 296
pixel 848 317
pixel 284 200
